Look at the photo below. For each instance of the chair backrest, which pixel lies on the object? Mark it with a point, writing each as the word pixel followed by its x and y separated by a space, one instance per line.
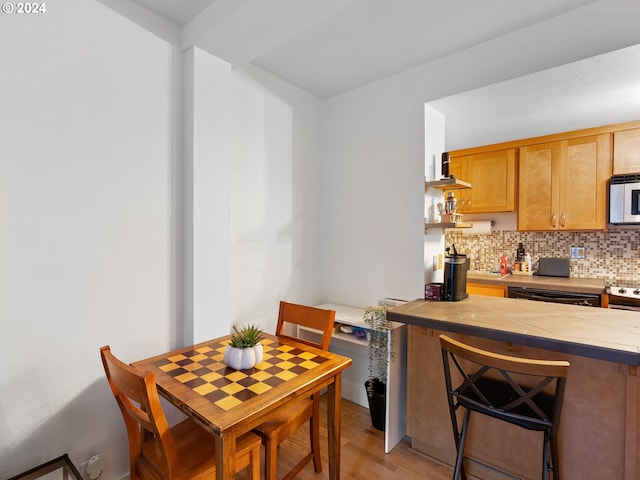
pixel 137 396
pixel 510 388
pixel 311 317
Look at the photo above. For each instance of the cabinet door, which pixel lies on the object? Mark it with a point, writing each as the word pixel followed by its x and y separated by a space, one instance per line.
pixel 563 184
pixel 538 187
pixel 585 167
pixel 492 176
pixel 626 151
pixel 486 290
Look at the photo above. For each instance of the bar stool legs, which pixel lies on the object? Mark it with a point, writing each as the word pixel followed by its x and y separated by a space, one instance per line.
pixel 491 386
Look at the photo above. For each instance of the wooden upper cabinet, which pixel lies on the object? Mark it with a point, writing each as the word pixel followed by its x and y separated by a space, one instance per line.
pixel 492 176
pixel 563 184
pixel 538 187
pixel 626 151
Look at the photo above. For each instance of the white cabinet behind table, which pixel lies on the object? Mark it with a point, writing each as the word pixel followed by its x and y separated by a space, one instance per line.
pixel 354 377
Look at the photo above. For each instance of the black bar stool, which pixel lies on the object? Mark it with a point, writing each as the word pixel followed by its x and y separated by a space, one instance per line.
pixel 489 387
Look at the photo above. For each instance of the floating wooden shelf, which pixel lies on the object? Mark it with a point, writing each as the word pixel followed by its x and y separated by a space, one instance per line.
pixel 450 183
pixel 446 225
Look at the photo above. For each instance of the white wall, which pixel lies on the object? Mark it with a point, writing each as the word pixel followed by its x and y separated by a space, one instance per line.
pixel 434 128
pixel 373 177
pixel 91 217
pixel 207 194
pixel 275 197
pixel 373 149
pixel 88 224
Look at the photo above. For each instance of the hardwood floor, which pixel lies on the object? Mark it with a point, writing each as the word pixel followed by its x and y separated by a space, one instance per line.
pixel 362 452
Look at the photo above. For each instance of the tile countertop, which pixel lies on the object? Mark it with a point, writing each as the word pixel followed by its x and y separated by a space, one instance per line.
pixel 566 284
pixel 600 333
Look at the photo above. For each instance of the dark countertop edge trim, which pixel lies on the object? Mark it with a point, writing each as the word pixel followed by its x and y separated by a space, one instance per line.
pixel 571 348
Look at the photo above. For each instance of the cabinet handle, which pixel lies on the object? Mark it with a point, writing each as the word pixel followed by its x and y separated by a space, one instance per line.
pixel 554 220
pixel 469 205
pixel 563 219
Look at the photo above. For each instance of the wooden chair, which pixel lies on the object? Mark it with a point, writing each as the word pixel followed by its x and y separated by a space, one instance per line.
pixel 157 452
pixel 289 419
pixel 494 385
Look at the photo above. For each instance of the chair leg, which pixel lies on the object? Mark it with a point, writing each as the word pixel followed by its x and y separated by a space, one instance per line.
pixel 314 433
pixel 545 457
pixel 270 460
pixel 255 464
pixel 459 469
pixel 555 459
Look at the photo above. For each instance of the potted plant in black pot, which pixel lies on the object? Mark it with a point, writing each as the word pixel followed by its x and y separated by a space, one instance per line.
pixel 380 351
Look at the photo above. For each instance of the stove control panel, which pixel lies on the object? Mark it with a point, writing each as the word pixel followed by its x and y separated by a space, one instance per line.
pixel 629 292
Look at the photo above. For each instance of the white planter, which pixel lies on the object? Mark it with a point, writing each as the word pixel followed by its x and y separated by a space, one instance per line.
pixel 243 358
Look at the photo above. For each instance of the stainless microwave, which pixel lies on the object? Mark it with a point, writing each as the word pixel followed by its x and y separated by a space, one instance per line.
pixel 624 197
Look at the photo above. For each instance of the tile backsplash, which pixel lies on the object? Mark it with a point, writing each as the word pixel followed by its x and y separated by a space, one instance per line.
pixel 613 255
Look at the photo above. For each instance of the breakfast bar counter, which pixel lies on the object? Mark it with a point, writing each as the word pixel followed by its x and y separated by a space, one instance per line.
pixel 600 424
pixel 599 333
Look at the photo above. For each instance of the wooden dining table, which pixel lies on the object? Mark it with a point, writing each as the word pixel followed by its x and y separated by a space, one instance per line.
pixel 229 403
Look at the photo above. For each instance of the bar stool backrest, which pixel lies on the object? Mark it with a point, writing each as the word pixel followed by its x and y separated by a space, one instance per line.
pixel 520 391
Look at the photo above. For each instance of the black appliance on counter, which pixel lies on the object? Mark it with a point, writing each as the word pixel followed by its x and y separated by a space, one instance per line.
pixel 553 267
pixel 555 296
pixel 455 276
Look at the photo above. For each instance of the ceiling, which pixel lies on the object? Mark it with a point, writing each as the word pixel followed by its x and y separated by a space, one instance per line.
pixel 331 46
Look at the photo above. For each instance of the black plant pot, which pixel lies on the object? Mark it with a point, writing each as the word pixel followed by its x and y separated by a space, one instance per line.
pixel 376 393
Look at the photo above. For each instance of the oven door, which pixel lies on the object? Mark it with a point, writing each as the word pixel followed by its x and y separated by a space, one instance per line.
pixel 555 296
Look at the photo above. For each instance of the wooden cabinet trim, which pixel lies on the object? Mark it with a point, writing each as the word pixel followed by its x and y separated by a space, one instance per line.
pixel 548 138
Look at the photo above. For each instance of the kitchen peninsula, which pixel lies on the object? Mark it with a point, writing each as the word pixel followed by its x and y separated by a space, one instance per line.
pixel 600 422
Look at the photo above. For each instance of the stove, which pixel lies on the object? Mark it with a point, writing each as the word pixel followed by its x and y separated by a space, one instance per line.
pixel 624 297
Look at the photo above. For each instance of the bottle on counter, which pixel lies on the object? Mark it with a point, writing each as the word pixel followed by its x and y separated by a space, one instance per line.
pixel 518 264
pixel 503 265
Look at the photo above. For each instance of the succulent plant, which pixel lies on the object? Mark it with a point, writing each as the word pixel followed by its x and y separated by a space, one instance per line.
pixel 246 337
